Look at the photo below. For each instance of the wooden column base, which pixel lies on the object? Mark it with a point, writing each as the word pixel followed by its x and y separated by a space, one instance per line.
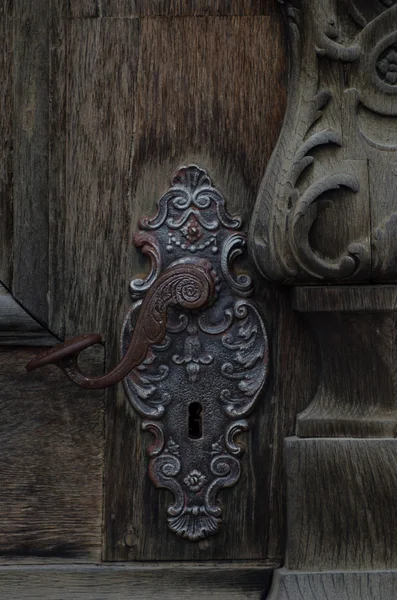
pixel 341 520
pixel 355 329
pixel 338 585
pixel 341 504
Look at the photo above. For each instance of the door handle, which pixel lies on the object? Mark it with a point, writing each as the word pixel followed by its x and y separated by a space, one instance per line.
pixel 189 285
pixel 194 348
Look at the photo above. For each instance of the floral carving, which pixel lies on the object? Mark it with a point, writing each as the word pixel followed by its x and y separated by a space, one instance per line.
pixel 215 357
pixel 386 65
pixel 193 358
pixel 195 480
pixel 172 447
pixel 192 231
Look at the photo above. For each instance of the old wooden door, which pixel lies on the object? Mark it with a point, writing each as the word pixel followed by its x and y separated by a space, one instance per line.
pixel 101 103
pixel 108 108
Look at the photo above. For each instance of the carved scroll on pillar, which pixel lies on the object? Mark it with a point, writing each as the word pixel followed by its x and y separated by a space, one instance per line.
pixel 327 207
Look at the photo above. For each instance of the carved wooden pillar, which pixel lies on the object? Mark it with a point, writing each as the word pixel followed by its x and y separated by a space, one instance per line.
pixel 325 222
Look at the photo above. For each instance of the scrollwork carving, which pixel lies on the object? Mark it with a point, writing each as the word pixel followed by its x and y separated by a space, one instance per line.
pixel 216 358
pixel 343 57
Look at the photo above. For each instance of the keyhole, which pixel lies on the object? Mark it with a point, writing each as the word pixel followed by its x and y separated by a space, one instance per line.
pixel 195 425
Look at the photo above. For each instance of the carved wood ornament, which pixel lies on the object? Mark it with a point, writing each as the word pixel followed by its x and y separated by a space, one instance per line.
pixel 327 208
pixel 325 221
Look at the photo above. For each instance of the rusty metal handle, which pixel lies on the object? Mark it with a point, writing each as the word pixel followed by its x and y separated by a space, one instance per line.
pixel 188 285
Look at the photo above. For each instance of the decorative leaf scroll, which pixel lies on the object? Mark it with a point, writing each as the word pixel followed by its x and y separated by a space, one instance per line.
pixel 213 360
pixel 343 66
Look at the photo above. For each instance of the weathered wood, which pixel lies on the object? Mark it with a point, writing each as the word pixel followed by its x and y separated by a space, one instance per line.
pixel 197 103
pixel 6 111
pixel 30 156
pixel 58 13
pixel 171 8
pixel 17 327
pixel 370 128
pixel 352 298
pixel 85 9
pixel 91 261
pixel 347 585
pixel 355 329
pixel 326 210
pixel 165 581
pixel 115 136
pixel 341 504
pixel 51 469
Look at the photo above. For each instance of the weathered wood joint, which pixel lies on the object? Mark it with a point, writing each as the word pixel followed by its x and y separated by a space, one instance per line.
pixel 325 222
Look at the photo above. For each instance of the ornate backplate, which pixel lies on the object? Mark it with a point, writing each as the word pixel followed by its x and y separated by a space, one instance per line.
pixel 196 389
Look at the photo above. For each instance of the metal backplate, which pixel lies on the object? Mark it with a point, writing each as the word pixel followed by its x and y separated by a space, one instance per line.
pixel 197 387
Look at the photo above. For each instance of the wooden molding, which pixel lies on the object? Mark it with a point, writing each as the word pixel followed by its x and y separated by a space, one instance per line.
pixel 340 585
pixel 168 581
pixel 327 208
pixel 17 327
pixel 355 329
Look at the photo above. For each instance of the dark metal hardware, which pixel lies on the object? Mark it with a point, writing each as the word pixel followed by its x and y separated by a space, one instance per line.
pixel 194 347
pixel 188 285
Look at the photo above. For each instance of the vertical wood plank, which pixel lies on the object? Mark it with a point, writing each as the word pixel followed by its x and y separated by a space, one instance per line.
pixel 57 162
pixel 171 8
pixel 211 92
pixel 93 240
pixel 6 111
pixel 30 155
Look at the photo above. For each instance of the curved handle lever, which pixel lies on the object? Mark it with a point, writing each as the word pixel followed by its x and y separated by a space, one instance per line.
pixel 189 285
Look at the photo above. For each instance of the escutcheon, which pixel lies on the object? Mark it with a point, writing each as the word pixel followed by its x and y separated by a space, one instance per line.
pixel 196 388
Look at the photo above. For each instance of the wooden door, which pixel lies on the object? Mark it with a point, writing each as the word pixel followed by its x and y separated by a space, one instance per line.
pixel 101 103
pixel 108 108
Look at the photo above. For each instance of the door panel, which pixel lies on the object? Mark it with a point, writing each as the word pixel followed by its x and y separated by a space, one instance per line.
pixel 104 110
pixel 197 80
pixel 51 469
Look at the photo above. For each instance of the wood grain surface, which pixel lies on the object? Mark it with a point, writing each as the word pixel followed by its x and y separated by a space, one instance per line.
pixel 341 504
pixel 352 298
pixel 51 438
pixel 30 156
pixel 92 246
pixel 139 582
pixel 191 109
pixel 355 328
pixel 170 8
pixel 112 107
pixel 347 585
pixel 6 142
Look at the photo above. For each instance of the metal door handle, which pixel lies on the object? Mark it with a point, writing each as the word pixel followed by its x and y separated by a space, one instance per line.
pixel 194 347
pixel 187 285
